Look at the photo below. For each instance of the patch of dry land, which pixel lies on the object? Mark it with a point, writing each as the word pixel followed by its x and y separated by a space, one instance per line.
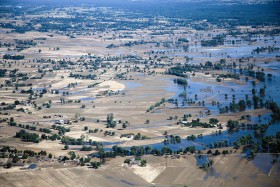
pixel 229 170
pixel 109 97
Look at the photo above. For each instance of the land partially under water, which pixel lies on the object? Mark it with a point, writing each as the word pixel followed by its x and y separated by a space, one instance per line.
pixel 126 95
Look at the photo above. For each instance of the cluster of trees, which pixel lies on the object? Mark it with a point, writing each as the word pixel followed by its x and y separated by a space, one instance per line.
pixel 275 111
pixel 141 150
pixel 13 57
pixel 213 121
pixel 109 133
pixel 8 107
pixel 195 123
pixel 245 140
pixel 27 127
pixel 86 148
pixel 24 44
pixel 81 76
pixel 191 137
pixel 93 131
pixel 233 76
pixel 79 141
pixel 219 144
pixel 171 139
pixel 61 129
pixel 217 152
pixel 217 40
pixel 29 137
pixel 180 71
pixel 45 130
pixel 7 151
pixel 52 137
pixel 260 75
pixel 183 40
pixel 138 136
pixel 181 81
pixel 242 105
pixel 268 49
pixel 232 124
pixel 95 164
pixel 14 154
pixel 3 72
pixel 130 43
pixel 271 143
pixel 181 14
pixel 93 85
pixel 162 101
pixel 110 121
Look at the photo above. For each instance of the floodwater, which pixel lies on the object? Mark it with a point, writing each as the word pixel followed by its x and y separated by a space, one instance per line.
pixel 240 49
pixel 87 99
pixel 209 92
pixel 216 92
pixel 132 84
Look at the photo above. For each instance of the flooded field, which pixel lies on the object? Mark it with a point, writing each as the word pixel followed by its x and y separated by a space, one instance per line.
pixel 139 93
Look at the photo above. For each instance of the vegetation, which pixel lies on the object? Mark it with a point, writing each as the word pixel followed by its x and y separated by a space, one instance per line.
pixel 232 124
pixel 29 137
pixel 13 57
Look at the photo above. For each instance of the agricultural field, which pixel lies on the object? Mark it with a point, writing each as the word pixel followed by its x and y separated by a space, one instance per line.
pixel 139 93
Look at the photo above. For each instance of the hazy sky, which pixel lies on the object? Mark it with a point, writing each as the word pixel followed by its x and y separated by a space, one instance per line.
pixel 120 2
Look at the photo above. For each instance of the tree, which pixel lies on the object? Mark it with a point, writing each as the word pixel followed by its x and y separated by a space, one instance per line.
pixel 9 165
pixel 148 149
pixel 86 148
pixel 50 155
pixel 242 105
pixel 262 92
pixel 231 124
pixel 15 159
pixel 256 102
pixel 95 164
pixel 224 152
pixel 44 136
pixel 124 125
pixel 143 163
pixel 72 155
pixel 127 161
pixel 269 75
pixel 217 152
pixel 213 121
pixel 66 147
pixel 275 111
pixel 208 64
pixel 85 128
pixel 110 120
pixel 29 137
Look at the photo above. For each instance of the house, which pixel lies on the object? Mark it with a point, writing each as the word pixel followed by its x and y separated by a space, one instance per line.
pixel 67 121
pixel 72 162
pixel 61 121
pixel 133 161
pixel 176 156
